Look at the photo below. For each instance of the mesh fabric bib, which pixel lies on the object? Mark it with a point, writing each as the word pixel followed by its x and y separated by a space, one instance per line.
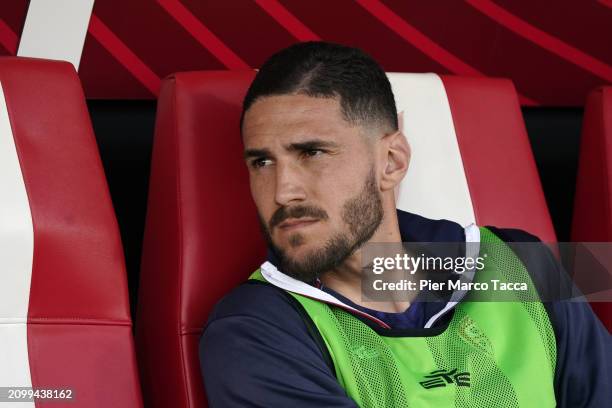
pixel 491 354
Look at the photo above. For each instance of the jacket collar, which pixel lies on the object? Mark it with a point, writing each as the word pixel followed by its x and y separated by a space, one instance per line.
pixel 413 228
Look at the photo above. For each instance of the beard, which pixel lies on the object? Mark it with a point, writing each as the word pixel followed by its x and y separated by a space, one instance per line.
pixel 362 215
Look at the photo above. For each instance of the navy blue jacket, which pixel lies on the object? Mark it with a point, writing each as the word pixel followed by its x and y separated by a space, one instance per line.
pixel 258 351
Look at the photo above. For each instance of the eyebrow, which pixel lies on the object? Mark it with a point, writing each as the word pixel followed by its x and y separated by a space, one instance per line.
pixel 298 146
pixel 311 145
pixel 249 153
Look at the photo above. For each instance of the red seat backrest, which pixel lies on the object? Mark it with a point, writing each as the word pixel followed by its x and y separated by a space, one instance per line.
pixel 592 220
pixel 64 310
pixel 202 235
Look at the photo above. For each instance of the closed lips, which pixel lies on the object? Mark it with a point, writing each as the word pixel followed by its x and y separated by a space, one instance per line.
pixel 296 222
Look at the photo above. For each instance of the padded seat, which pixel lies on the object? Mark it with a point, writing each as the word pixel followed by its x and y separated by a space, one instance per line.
pixel 592 220
pixel 202 236
pixel 64 311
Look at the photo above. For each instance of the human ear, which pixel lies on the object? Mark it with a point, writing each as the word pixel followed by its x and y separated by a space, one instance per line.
pixel 397 158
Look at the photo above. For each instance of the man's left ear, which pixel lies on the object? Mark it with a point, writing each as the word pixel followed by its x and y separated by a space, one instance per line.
pixel 396 160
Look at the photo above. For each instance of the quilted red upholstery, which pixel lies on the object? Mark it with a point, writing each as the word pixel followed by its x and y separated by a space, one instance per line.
pixel 592 220
pixel 202 237
pixel 499 165
pixel 79 332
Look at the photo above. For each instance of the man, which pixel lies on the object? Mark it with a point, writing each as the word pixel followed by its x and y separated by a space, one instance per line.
pixel 325 153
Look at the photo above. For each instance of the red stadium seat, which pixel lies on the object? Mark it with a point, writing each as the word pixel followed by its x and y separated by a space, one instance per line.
pixel 64 311
pixel 202 236
pixel 592 220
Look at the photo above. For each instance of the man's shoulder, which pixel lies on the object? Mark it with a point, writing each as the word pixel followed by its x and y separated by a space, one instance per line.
pixel 257 339
pixel 257 300
pixel 551 280
pixel 513 234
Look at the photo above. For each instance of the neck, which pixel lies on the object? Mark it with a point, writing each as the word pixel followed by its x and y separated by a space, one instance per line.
pixel 347 278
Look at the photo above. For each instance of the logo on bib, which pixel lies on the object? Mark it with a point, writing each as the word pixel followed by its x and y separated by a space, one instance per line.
pixel 442 378
pixel 364 353
pixel 471 334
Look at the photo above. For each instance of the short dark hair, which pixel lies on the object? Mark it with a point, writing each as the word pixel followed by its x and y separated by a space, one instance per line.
pixel 326 70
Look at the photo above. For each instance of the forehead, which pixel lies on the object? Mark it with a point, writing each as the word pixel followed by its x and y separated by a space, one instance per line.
pixel 294 115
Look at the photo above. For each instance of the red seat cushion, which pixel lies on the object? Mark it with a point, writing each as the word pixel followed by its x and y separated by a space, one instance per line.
pixel 592 220
pixel 68 267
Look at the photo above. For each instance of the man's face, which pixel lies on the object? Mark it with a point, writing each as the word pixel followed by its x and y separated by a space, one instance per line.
pixel 313 180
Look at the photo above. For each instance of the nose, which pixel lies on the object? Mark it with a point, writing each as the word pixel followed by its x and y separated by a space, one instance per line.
pixel 289 187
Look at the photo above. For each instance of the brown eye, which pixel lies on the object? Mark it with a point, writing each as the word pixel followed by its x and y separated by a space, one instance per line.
pixel 259 163
pixel 313 152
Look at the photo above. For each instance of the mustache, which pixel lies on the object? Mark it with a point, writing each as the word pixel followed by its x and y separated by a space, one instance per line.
pixel 299 211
